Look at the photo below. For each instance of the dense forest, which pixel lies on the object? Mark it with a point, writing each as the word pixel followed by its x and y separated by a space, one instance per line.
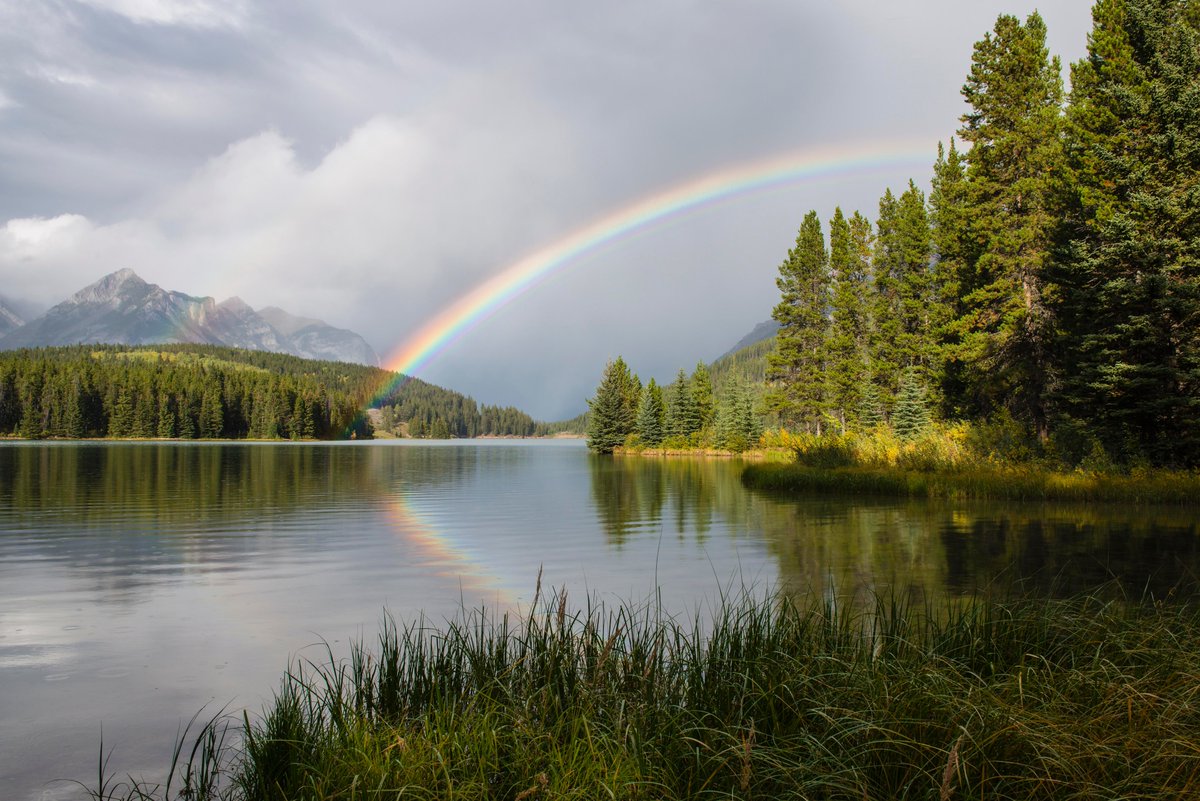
pixel 211 392
pixel 1049 281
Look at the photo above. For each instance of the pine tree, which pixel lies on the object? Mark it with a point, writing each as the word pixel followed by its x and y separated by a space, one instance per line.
pixel 886 336
pixel 166 417
pixel 954 252
pixel 1015 93
pixel 795 370
pixel 871 412
pixel 702 396
pixel 737 425
pixel 1129 279
pixel 73 426
pixel 846 351
pixel 120 419
pixel 911 417
pixel 683 418
pixel 652 415
pixel 610 418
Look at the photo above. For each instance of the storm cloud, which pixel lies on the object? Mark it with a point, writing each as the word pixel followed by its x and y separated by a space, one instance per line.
pixel 367 163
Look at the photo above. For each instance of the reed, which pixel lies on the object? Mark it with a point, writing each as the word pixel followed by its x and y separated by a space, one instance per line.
pixel 763 698
pixel 982 482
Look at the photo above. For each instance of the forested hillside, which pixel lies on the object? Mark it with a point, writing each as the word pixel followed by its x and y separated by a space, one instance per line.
pixel 211 392
pixel 1048 283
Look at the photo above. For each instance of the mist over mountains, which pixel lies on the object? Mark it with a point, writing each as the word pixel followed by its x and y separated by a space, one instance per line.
pixel 123 309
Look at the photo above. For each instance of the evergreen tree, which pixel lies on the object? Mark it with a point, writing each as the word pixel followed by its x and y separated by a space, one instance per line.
pixel 1014 127
pixel 886 269
pixel 846 351
pixel 702 396
pixel 652 415
pixel 212 414
pixel 683 418
pixel 904 307
pixel 795 370
pixel 166 417
pixel 610 418
pixel 737 425
pixel 911 417
pixel 1129 278
pixel 120 419
pixel 871 412
pixel 954 252
pixel 73 425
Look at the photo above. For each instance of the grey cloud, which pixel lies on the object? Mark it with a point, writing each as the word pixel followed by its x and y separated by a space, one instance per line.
pixel 366 162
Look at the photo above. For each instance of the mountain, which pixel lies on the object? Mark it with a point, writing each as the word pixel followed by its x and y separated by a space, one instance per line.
pixel 762 331
pixel 9 319
pixel 314 339
pixel 123 309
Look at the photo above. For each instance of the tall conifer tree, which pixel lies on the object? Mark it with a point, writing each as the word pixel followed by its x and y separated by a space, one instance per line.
pixel 795 370
pixel 1015 93
pixel 1130 276
pixel 611 417
pixel 847 365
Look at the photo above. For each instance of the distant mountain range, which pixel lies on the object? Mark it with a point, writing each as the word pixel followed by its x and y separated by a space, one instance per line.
pixel 9 319
pixel 762 331
pixel 122 309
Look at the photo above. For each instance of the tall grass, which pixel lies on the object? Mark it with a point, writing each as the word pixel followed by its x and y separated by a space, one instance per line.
pixel 765 698
pixel 956 462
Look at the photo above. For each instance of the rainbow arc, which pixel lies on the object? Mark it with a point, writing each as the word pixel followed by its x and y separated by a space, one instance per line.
pixel 453 321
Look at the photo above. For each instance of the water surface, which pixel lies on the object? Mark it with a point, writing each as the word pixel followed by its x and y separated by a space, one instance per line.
pixel 140 581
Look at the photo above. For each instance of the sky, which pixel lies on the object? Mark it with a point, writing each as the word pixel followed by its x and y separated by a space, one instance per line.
pixel 368 163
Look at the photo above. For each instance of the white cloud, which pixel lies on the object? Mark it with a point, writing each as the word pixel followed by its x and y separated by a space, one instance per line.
pixel 395 220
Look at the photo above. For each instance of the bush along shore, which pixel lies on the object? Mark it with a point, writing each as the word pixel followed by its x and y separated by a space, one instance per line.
pixel 957 462
pixel 765 698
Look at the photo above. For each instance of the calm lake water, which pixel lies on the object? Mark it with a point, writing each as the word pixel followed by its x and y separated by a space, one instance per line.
pixel 139 582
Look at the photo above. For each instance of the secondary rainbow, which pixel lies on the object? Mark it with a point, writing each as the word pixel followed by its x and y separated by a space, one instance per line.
pixel 470 309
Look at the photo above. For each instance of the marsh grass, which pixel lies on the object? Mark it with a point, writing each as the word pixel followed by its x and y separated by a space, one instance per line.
pixel 763 698
pixel 981 482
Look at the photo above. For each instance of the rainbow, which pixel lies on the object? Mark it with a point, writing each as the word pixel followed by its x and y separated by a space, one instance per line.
pixel 472 308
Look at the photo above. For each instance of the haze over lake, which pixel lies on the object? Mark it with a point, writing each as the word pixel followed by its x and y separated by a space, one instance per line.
pixel 141 581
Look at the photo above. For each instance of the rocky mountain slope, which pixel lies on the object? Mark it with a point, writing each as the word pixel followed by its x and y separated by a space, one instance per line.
pixel 9 319
pixel 123 309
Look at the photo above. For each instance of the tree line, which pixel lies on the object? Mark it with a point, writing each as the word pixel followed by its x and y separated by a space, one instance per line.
pixel 213 392
pixel 1051 277
pixel 687 413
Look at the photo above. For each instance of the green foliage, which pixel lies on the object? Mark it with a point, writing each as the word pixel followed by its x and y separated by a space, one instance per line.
pixel 795 370
pixel 683 417
pixel 701 386
pixel 611 416
pixel 911 417
pixel 1014 128
pixel 652 415
pixel 847 348
pixel 1129 297
pixel 187 391
pixel 738 427
pixel 766 698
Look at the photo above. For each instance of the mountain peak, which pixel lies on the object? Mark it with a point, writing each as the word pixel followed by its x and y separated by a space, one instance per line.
pixel 109 287
pixel 235 304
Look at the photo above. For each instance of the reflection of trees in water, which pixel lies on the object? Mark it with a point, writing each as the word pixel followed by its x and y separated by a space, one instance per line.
pixel 860 547
pixel 926 550
pixel 684 496
pixel 1061 551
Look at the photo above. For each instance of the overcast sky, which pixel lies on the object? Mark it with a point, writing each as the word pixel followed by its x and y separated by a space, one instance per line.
pixel 368 162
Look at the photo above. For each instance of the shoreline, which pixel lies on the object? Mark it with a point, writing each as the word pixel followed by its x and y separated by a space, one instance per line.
pixel 985 483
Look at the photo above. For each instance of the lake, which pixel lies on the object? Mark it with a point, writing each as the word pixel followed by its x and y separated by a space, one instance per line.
pixel 140 582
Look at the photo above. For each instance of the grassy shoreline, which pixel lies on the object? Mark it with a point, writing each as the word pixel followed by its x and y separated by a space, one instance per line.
pixel 994 483
pixel 1026 699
